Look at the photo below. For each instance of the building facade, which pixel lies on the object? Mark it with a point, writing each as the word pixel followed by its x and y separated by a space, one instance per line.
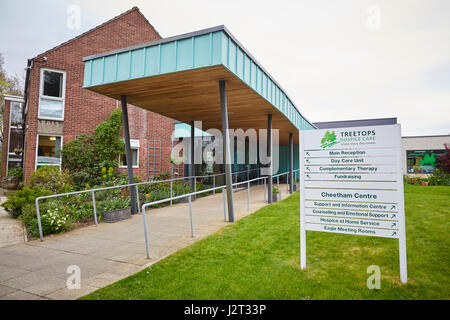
pixel 58 109
pixel 419 153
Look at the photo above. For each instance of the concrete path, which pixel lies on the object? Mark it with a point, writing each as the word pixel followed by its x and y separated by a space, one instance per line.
pixel 11 230
pixel 110 252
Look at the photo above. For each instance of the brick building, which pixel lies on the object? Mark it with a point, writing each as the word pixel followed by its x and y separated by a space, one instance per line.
pixel 58 109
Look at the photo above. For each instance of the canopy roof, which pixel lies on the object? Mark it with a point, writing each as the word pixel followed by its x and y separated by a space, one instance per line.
pixel 178 77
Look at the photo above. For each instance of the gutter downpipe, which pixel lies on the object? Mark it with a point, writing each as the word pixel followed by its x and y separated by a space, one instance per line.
pixel 24 109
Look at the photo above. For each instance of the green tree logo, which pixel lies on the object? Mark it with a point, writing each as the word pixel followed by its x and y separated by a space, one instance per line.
pixel 428 160
pixel 328 140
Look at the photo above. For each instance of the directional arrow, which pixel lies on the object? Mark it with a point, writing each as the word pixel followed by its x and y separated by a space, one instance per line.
pixel 307 161
pixel 394 225
pixel 308 176
pixel 393 207
pixel 394 233
pixel 307 153
pixel 307 168
pixel 393 216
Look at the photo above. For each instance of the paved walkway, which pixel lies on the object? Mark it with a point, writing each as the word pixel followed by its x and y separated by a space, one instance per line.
pixel 110 252
pixel 11 230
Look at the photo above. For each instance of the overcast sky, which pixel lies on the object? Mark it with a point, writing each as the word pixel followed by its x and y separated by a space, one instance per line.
pixel 338 60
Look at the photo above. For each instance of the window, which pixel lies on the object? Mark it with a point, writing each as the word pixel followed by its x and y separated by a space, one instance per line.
pixel 48 151
pixel 15 137
pixel 16 114
pixel 52 94
pixel 422 161
pixel 134 145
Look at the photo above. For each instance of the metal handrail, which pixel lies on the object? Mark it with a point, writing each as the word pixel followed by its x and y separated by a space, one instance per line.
pixel 135 184
pixel 146 205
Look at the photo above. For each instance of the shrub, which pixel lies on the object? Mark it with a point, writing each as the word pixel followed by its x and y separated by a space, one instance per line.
pixel 55 219
pixel 17 200
pixel 444 159
pixel 275 190
pixel 85 156
pixel 114 203
pixel 52 178
pixel 15 172
pixel 439 178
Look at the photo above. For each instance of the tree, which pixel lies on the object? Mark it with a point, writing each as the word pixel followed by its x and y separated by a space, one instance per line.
pixel 444 159
pixel 8 85
pixel 85 156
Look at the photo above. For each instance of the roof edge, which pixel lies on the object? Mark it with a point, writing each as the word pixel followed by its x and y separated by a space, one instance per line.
pixel 195 34
pixel 135 8
pixel 13 98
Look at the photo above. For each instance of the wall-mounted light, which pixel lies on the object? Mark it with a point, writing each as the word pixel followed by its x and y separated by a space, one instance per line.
pixel 53 138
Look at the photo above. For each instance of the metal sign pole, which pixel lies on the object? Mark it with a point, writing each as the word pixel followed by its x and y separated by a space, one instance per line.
pixel 302 205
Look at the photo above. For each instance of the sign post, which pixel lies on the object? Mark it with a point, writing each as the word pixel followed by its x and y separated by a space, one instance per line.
pixel 351 182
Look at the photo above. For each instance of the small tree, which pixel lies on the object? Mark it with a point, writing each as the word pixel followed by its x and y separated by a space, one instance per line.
pixel 87 155
pixel 444 159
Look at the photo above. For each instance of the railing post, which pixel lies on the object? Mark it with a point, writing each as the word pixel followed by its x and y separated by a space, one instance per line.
pixel 287 183
pixel 248 196
pixel 190 215
pixel 278 182
pixel 147 248
pixel 264 190
pixel 224 205
pixel 95 208
pixel 137 199
pixel 214 184
pixel 38 215
pixel 171 189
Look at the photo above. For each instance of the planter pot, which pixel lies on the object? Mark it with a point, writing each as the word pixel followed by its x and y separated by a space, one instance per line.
pixel 276 197
pixel 11 183
pixel 295 188
pixel 117 215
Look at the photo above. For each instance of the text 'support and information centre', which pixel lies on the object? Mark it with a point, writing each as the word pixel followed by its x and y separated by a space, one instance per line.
pixel 351 182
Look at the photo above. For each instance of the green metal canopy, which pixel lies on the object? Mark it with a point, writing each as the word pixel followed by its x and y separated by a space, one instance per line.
pixel 178 77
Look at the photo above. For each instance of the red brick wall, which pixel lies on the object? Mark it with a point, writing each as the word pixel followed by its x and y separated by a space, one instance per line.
pixel 84 110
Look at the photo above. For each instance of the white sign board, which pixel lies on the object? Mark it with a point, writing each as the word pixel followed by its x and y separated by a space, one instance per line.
pixel 351 181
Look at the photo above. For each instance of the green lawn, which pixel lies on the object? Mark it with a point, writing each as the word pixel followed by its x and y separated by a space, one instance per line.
pixel 258 258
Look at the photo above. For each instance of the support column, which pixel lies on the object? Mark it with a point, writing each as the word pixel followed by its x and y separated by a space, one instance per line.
pixel 226 149
pixel 269 155
pixel 192 157
pixel 291 162
pixel 126 137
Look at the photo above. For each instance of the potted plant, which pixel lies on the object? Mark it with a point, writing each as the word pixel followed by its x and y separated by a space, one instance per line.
pixel 276 194
pixel 18 151
pixel 116 209
pixel 13 179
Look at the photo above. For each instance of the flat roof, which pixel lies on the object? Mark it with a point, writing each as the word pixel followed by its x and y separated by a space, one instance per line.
pixel 355 123
pixel 13 98
pixel 430 136
pixel 172 76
